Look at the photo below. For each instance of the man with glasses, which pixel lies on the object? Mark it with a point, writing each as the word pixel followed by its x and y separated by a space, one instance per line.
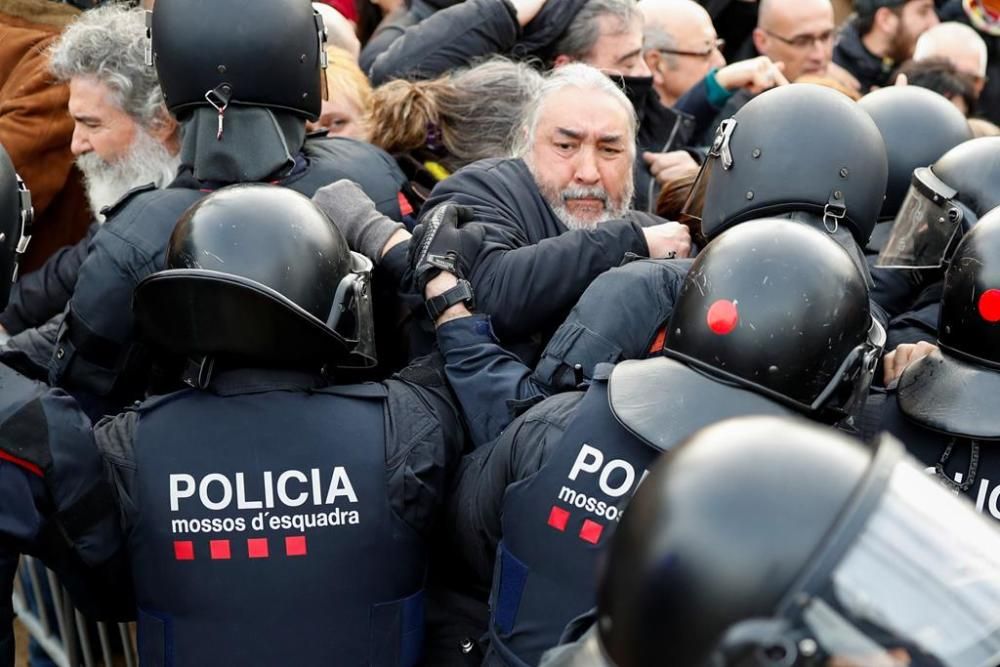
pixel 881 35
pixel 681 46
pixel 797 33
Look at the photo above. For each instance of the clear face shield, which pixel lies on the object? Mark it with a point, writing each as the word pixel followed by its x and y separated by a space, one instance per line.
pixel 909 577
pixel 351 314
pixel 927 225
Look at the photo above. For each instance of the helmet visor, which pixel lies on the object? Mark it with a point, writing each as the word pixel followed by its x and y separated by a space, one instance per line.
pixel 926 225
pixel 919 586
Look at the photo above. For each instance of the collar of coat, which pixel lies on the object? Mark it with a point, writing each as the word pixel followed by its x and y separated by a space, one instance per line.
pixel 40 12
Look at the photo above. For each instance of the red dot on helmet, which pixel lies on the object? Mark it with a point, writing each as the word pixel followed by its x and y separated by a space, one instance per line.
pixel 723 317
pixel 989 305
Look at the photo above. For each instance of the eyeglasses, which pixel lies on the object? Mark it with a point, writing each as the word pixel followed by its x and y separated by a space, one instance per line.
pixel 715 45
pixel 804 41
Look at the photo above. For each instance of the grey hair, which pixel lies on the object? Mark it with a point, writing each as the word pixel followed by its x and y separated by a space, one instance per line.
pixel 576 75
pixel 490 98
pixel 580 37
pixel 655 37
pixel 109 44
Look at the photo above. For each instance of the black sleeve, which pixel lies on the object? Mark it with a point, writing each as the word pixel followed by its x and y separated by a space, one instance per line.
pixel 447 39
pixel 476 498
pixel 8 569
pixel 424 440
pixel 42 294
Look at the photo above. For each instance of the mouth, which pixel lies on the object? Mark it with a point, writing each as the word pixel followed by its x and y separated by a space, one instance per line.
pixel 585 206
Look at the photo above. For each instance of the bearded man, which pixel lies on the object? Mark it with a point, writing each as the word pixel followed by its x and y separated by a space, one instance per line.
pixel 123 138
pixel 556 214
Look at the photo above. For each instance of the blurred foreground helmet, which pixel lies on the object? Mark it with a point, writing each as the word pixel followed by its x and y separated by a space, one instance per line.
pixel 943 202
pixel 258 273
pixel 918 127
pixel 800 147
pixel 955 389
pixel 16 216
pixel 772 542
pixel 779 308
pixel 266 53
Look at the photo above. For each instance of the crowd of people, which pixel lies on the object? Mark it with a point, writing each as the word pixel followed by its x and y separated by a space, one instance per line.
pixel 514 333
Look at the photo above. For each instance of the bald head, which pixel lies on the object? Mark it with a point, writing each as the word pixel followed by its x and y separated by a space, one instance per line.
pixel 956 42
pixel 679 44
pixel 798 33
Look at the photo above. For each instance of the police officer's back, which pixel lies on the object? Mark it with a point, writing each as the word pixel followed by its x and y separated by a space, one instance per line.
pixel 773 318
pixel 274 517
pixel 242 79
pixel 944 406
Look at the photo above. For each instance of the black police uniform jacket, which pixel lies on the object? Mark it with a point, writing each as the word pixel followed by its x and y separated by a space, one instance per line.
pixel 968 466
pixel 529 269
pixel 97 357
pixel 55 504
pixel 273 520
pixel 539 507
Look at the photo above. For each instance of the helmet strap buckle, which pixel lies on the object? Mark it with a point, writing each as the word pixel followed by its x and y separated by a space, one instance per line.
pixel 149 38
pixel 720 145
pixel 27 216
pixel 199 372
pixel 218 98
pixel 834 211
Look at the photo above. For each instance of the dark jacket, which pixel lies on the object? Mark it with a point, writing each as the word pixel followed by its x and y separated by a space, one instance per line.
pixel 530 269
pixel 42 294
pixel 851 54
pixel 456 36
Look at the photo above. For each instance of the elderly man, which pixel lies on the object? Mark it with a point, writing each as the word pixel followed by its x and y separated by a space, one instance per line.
pixel 557 215
pixel 959 44
pixel 123 138
pixel 883 34
pixel 681 46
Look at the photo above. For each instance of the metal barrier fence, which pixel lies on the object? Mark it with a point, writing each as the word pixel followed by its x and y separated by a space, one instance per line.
pixel 66 635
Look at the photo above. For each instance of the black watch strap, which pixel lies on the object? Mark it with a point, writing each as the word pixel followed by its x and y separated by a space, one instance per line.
pixel 462 292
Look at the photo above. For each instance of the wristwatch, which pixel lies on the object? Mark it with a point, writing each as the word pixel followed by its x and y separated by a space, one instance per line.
pixel 460 293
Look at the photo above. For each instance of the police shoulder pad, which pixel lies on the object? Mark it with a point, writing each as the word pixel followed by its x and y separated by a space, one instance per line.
pixel 109 211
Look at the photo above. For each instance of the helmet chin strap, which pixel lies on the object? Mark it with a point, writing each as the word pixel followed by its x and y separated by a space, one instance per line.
pixel 257 144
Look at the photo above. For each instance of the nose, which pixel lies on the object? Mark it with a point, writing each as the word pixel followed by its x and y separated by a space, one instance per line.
pixel 586 172
pixel 717 60
pixel 640 68
pixel 81 141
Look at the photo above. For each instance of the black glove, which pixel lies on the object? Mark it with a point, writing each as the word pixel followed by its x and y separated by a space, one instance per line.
pixel 440 244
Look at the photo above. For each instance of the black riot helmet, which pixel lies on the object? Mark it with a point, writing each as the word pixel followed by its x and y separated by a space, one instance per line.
pixel 767 542
pixel 258 273
pixel 954 390
pixel 16 216
pixel 269 54
pixel 943 202
pixel 918 127
pixel 779 308
pixel 801 148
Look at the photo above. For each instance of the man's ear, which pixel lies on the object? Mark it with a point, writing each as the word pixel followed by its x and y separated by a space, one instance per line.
pixel 886 21
pixel 653 58
pixel 164 130
pixel 560 60
pixel 760 40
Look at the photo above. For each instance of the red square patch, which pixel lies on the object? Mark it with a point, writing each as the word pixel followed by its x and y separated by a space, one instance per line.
pixel 558 518
pixel 295 546
pixel 257 547
pixel 219 549
pixel 591 531
pixel 183 550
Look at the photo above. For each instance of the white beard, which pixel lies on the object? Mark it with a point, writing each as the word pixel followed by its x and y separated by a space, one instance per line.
pixel 613 210
pixel 147 161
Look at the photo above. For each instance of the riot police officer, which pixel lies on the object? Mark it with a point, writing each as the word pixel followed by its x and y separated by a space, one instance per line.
pixel 773 318
pixel 944 201
pixel 242 78
pixel 901 114
pixel 273 517
pixel 943 406
pixel 765 541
